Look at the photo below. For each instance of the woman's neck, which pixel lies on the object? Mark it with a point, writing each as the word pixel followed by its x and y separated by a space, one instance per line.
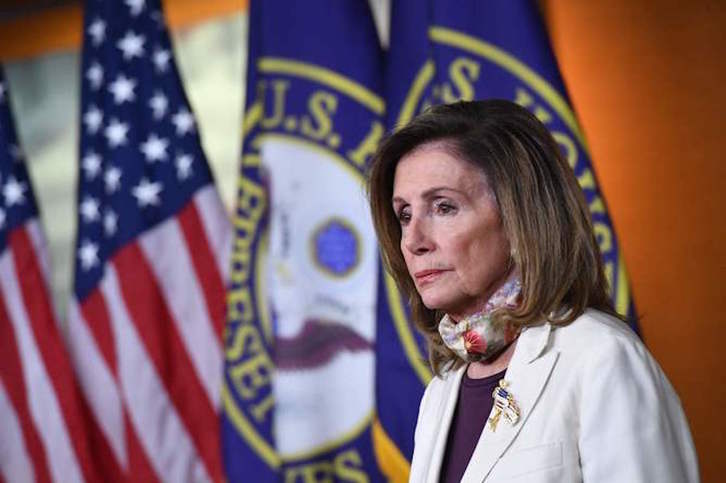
pixel 479 370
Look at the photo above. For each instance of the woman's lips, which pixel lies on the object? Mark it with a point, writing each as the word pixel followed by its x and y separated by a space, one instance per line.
pixel 427 276
pixel 317 344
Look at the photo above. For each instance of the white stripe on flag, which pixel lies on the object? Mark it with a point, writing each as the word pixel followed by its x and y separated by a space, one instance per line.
pixel 97 383
pixel 217 227
pixel 169 259
pixel 158 426
pixel 15 463
pixel 44 408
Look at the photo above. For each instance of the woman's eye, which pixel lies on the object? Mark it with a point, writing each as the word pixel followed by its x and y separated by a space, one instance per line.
pixel 445 208
pixel 404 216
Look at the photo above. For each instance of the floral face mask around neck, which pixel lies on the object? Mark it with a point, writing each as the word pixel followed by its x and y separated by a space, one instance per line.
pixel 476 338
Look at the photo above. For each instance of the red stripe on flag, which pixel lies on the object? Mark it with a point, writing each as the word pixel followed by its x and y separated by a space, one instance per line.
pixel 205 266
pixel 101 451
pixel 152 318
pixel 12 373
pixel 140 468
pixel 95 313
pixel 34 291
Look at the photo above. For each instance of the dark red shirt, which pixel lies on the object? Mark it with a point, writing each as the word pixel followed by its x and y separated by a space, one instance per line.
pixel 472 410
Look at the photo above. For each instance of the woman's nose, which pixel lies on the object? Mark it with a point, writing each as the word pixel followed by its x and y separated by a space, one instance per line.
pixel 416 237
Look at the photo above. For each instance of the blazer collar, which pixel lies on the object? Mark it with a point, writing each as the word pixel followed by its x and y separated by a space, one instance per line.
pixel 527 375
pixel 531 343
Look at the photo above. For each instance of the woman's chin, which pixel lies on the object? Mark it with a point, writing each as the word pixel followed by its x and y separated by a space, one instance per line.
pixel 428 299
pixel 433 302
pixel 454 307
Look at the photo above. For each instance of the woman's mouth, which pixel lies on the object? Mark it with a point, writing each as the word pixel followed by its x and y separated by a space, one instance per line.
pixel 427 276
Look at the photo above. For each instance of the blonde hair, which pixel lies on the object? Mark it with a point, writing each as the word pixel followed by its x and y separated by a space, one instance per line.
pixel 542 208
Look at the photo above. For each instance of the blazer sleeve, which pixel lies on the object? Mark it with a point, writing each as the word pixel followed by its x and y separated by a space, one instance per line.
pixel 632 425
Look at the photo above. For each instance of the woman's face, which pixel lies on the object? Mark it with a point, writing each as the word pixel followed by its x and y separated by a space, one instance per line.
pixel 452 238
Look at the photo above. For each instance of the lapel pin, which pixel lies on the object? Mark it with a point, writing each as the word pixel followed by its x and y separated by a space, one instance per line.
pixel 503 405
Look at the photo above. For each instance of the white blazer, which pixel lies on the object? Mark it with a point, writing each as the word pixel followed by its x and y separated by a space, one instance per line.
pixel 595 407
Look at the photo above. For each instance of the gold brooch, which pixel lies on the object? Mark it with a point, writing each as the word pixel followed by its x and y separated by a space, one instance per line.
pixel 503 404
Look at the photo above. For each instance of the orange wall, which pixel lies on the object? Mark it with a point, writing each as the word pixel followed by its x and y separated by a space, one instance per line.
pixel 646 79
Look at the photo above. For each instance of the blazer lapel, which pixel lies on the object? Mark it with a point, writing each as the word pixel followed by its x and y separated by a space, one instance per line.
pixel 527 375
pixel 444 416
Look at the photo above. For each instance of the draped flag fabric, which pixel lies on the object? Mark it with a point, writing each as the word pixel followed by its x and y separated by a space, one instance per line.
pixel 147 312
pixel 441 53
pixel 302 302
pixel 43 434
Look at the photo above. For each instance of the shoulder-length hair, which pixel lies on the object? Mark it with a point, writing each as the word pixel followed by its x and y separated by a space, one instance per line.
pixel 541 205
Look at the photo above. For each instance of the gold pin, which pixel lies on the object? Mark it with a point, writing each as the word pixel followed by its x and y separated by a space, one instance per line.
pixel 494 419
pixel 503 404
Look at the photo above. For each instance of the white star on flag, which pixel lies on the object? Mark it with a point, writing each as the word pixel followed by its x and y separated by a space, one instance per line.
pixel 97 31
pixel 88 254
pixel 91 164
pixel 135 6
pixel 161 59
pixel 93 118
pixel 122 89
pixel 110 222
pixel 89 209
pixel 112 179
pixel 184 121
pixel 116 132
pixel 2 91
pixel 184 165
pixel 131 45
pixel 14 191
pixel 2 218
pixel 154 148
pixel 94 74
pixel 147 193
pixel 158 104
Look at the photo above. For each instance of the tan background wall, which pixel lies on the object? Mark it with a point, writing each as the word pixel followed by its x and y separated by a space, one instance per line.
pixel 59 28
pixel 646 78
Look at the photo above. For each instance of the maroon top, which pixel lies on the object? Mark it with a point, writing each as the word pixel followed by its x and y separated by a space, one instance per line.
pixel 472 410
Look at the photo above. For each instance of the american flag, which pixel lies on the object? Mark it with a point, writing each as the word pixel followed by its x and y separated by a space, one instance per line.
pixel 42 432
pixel 145 322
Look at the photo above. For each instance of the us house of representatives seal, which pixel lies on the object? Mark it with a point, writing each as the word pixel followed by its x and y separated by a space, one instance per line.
pixel 307 271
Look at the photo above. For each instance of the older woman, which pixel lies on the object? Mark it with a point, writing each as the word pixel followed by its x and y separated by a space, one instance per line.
pixel 538 379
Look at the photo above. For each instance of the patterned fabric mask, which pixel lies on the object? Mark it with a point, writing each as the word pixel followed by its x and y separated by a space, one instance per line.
pixel 475 338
